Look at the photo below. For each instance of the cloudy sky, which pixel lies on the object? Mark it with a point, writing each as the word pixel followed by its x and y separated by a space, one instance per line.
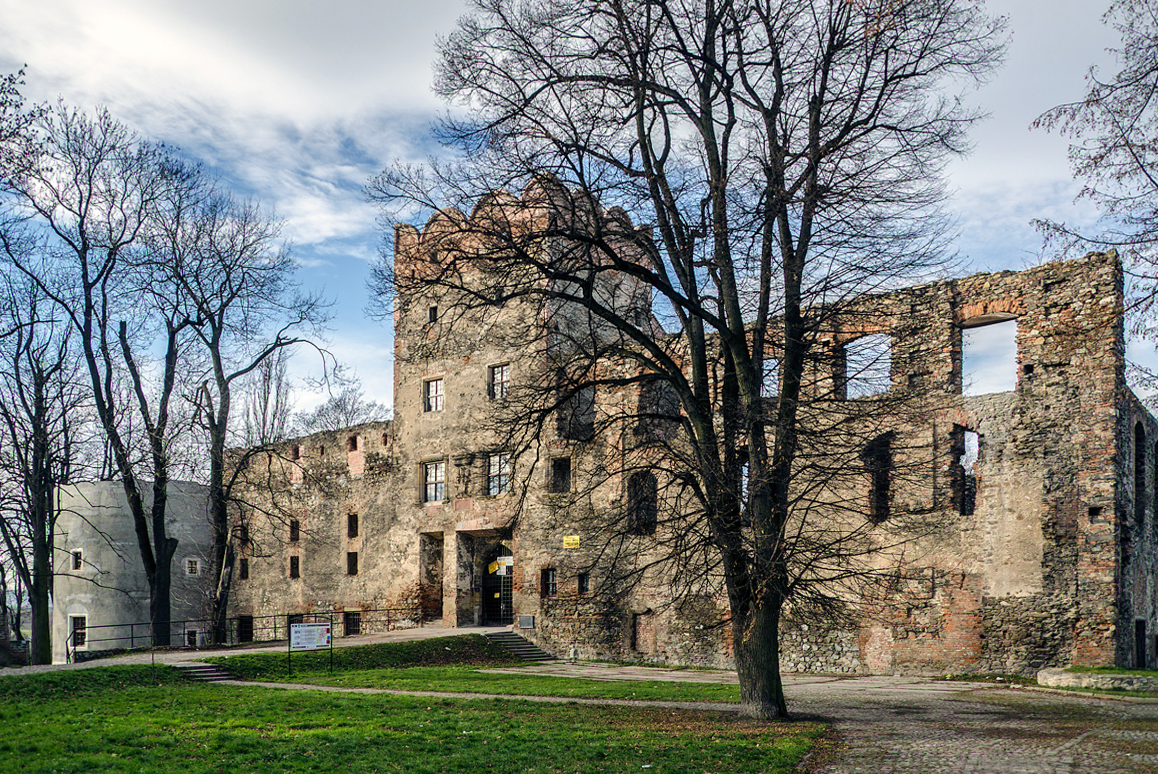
pixel 298 103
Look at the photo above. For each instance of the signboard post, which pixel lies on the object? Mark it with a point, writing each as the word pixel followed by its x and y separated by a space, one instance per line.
pixel 310 636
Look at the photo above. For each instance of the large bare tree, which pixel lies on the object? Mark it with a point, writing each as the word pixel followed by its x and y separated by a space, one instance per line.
pixel 781 158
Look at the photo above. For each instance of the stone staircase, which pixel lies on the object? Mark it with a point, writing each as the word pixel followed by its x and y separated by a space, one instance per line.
pixel 519 647
pixel 204 673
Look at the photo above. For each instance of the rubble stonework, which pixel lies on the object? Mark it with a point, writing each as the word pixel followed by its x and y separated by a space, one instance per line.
pixel 1054 566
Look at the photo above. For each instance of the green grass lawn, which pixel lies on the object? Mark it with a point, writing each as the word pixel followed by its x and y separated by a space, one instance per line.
pixel 135 719
pixel 451 664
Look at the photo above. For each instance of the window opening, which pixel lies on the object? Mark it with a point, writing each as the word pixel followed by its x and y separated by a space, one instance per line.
pixel 584 583
pixel 321 451
pixel 432 395
pixel 867 365
pixel 549 582
pixel 295 452
pixel 642 503
pixel 295 531
pixel 245 628
pixel 434 479
pixel 499 382
pixel 878 462
pixel 966 452
pixel 351 525
pixel 79 626
pixel 1139 474
pixel 560 475
pixel 988 356
pixel 351 562
pixel 352 622
pixel 432 314
pixel 352 443
pixel 243 534
pixel 192 567
pixel 77 560
pixel 295 567
pixel 243 569
pixel 499 473
pixel 191 638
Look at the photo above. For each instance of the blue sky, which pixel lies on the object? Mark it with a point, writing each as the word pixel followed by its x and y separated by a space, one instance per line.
pixel 298 103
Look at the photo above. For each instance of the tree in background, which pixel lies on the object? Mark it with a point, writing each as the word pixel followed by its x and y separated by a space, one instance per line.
pixel 345 408
pixel 782 158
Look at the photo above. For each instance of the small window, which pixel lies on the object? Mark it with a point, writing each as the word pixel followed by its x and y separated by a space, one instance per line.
pixel 352 622
pixel 243 569
pixel 193 567
pixel 295 452
pixel 432 314
pixel 78 624
pixel 432 395
pixel 499 381
pixel 560 475
pixel 77 560
pixel 966 453
pixel 549 582
pixel 434 482
pixel 295 567
pixel 295 531
pixel 868 365
pixel 1139 474
pixel 191 638
pixel 351 562
pixel 243 534
pixel 351 525
pixel 352 443
pixel 988 356
pixel 499 473
pixel 584 583
pixel 321 451
pixel 642 503
pixel 878 462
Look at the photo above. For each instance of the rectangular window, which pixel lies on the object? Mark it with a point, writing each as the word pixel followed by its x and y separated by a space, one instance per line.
pixel 878 462
pixel 499 474
pixel 245 628
pixel 499 382
pixel 352 443
pixel 352 622
pixel 560 475
pixel 351 562
pixel 77 560
pixel 432 395
pixel 434 479
pixel 295 530
pixel 295 567
pixel 352 525
pixel 79 626
pixel 243 534
pixel 295 452
pixel 191 638
pixel 243 569
pixel 192 567
pixel 584 583
pixel 549 582
pixel 432 314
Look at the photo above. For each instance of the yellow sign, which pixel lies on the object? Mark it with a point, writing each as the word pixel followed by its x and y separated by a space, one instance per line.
pixel 570 541
pixel 492 567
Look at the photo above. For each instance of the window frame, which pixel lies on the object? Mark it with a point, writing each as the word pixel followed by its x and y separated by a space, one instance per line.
pixel 432 397
pixel 583 583
pixel 192 567
pixel 73 629
pixel 499 381
pixel 555 481
pixel 438 482
pixel 549 582
pixel 499 468
pixel 76 559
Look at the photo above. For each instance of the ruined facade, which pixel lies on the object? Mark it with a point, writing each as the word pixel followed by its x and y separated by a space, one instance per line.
pixel 1043 484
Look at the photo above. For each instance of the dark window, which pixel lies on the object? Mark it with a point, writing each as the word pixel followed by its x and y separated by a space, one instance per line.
pixel 191 638
pixel 432 395
pixel 243 534
pixel 499 473
pixel 642 503
pixel 243 569
pixel 434 482
pixel 295 452
pixel 549 582
pixel 878 462
pixel 352 443
pixel 966 450
pixel 295 530
pixel 321 451
pixel 245 628
pixel 560 475
pixel 192 567
pixel 499 381
pixel 1139 474
pixel 575 417
pixel 77 560
pixel 79 626
pixel 352 622
pixel 432 314
pixel 295 618
pixel 352 525
pixel 584 582
pixel 295 567
pixel 1139 643
pixel 351 562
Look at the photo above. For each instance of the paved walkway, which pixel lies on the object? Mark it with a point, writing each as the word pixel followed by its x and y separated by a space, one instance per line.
pixel 887 725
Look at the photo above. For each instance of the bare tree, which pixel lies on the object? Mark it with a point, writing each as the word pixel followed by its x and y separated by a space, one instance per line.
pixel 782 158
pixel 345 408
pixel 268 403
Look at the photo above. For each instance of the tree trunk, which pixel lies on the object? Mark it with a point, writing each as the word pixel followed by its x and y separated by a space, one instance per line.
pixel 756 643
pixel 38 597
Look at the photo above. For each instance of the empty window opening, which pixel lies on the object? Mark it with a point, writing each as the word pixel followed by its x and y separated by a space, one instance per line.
pixel 351 562
pixel 192 567
pixel 575 417
pixel 432 314
pixel 432 395
pixel 295 531
pixel 352 443
pixel 642 503
pixel 191 638
pixel 321 451
pixel 1095 512
pixel 878 462
pixel 963 476
pixel 243 569
pixel 499 381
pixel 560 475
pixel 867 365
pixel 549 582
pixel 434 481
pixel 295 452
pixel 77 560
pixel 770 379
pixel 1139 643
pixel 988 356
pixel 584 583
pixel 243 534
pixel 351 525
pixel 295 567
pixel 78 624
pixel 352 622
pixel 1139 474
pixel 499 473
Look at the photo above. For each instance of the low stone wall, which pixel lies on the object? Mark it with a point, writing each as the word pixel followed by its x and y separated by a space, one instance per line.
pixel 1060 678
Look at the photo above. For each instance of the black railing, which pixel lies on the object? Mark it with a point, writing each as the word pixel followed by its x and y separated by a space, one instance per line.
pixel 199 633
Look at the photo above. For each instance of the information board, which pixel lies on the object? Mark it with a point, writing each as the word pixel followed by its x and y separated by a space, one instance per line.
pixel 309 636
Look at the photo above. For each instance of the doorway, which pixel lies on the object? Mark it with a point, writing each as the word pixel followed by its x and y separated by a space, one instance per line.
pixel 497 604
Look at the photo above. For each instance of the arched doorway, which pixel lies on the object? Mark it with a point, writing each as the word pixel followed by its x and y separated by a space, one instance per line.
pixel 497 607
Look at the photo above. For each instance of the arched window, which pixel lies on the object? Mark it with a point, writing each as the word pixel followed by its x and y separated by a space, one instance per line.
pixel 642 503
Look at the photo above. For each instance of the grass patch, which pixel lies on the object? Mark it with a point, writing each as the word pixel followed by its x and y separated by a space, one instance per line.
pixel 1113 671
pixel 122 722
